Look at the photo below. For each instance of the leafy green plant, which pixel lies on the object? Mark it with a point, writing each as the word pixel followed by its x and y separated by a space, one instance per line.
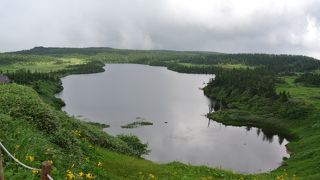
pixel 135 143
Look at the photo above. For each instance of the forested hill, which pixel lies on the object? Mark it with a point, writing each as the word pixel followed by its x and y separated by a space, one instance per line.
pixel 64 51
pixel 272 62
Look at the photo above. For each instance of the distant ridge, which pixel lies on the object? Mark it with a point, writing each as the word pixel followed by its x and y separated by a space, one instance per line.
pixel 91 51
pixel 40 50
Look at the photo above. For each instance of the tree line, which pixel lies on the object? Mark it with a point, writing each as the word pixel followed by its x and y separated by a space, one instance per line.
pixel 309 79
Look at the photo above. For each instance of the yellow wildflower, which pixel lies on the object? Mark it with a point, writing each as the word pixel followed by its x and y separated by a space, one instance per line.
pixel 99 164
pixel 30 158
pixel 70 175
pixel 294 177
pixel 17 146
pixel 77 133
pixel 50 161
pixel 35 172
pixel 81 174
pixel 89 176
pixel 151 176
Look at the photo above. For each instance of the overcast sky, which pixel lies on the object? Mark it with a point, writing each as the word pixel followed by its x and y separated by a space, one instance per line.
pixel 267 26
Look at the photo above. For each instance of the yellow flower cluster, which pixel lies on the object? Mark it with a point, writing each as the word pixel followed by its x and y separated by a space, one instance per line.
pixel 17 146
pixel 50 161
pixel 71 176
pixel 151 176
pixel 35 172
pixel 280 177
pixel 99 164
pixel 206 178
pixel 285 176
pixel 89 176
pixel 30 158
pixel 77 133
pixel 294 177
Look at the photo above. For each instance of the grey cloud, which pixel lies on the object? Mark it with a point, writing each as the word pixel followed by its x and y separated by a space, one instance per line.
pixel 226 26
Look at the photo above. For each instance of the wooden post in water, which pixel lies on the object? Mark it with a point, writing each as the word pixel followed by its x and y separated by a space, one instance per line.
pixel 45 170
pixel 1 166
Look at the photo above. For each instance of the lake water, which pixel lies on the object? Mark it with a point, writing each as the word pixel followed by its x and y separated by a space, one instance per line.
pixel 127 91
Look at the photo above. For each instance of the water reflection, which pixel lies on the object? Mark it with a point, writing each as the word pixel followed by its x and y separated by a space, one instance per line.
pixel 215 105
pixel 265 135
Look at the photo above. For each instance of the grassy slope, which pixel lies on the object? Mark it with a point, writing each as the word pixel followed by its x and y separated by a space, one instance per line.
pixel 38 63
pixel 310 95
pixel 306 151
pixel 30 127
pixel 235 66
pixel 226 66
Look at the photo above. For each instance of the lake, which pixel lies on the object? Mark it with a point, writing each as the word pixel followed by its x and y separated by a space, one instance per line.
pixel 176 105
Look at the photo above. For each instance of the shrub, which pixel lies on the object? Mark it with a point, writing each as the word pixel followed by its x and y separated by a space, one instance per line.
pixel 135 143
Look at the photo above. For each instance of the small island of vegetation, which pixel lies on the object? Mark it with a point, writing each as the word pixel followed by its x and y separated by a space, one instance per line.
pixel 138 123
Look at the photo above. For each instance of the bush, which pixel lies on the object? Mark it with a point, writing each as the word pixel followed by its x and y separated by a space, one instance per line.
pixel 135 143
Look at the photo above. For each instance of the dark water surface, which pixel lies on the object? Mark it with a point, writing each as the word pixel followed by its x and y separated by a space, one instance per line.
pixel 126 91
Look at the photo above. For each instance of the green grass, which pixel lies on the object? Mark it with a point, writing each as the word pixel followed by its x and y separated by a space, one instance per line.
pixel 317 71
pixel 43 64
pixel 310 95
pixel 127 167
pixel 226 66
pixel 307 149
pixel 193 65
pixel 234 66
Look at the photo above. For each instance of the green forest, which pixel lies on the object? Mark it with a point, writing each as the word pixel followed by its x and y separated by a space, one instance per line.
pixel 278 93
